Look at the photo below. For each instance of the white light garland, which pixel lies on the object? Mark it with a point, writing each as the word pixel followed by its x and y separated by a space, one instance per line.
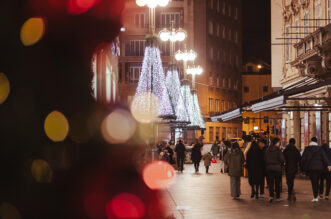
pixel 188 102
pixel 152 80
pixel 173 86
pixel 197 110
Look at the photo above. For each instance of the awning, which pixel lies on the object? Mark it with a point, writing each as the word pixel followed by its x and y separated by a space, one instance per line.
pixel 227 116
pixel 269 104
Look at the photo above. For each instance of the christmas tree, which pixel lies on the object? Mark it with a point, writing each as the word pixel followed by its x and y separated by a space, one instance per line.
pixel 152 81
pixel 188 102
pixel 197 111
pixel 173 86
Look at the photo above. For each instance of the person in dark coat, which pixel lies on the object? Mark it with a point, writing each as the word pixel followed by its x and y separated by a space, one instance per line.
pixel 314 162
pixel 171 154
pixel 292 160
pixel 274 159
pixel 180 151
pixel 326 175
pixel 196 156
pixel 263 145
pixel 255 167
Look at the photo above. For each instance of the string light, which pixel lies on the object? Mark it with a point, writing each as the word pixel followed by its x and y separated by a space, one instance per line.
pixel 197 110
pixel 173 86
pixel 188 102
pixel 152 80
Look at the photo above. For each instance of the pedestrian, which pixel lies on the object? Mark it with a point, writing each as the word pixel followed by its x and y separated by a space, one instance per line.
pixel 223 151
pixel 171 154
pixel 263 145
pixel 196 155
pixel 326 175
pixel 180 153
pixel 314 162
pixel 248 144
pixel 292 160
pixel 235 160
pixel 274 160
pixel 215 148
pixel 207 160
pixel 255 167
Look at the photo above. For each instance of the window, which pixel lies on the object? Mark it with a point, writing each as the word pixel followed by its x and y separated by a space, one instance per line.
pixel 246 89
pixel 265 88
pixel 211 53
pixel 217 106
pixel 219 55
pixel 167 17
pixel 218 129
pixel 229 132
pixel 135 48
pixel 235 132
pixel 222 106
pixel 249 68
pixel 224 57
pixel 218 6
pixel 224 32
pixel 224 82
pixel 224 7
pixel 318 13
pixel 306 23
pixel 329 11
pixel 236 37
pixel 139 20
pixel 134 73
pixel 211 27
pixel 287 44
pixel 230 83
pixel 229 10
pixel 235 85
pixel 218 30
pixel 165 48
pixel 226 105
pixel 211 109
pixel 211 134
pixel 296 30
pixel 223 132
pixel 236 13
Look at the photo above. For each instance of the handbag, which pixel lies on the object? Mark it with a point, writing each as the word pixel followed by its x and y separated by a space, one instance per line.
pixel 213 160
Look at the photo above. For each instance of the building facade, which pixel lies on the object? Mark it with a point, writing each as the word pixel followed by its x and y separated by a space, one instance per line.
pixel 256 83
pixel 301 67
pixel 214 32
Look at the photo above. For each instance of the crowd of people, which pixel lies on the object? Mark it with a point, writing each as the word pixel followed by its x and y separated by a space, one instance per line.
pixel 264 160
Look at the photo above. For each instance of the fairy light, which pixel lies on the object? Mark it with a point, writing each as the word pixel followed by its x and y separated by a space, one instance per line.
pixel 188 102
pixel 197 111
pixel 173 86
pixel 152 80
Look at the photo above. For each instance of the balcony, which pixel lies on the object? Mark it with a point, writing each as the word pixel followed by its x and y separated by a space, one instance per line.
pixel 313 54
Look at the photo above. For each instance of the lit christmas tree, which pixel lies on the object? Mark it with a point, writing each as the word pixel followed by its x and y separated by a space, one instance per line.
pixel 188 102
pixel 173 86
pixel 152 80
pixel 197 110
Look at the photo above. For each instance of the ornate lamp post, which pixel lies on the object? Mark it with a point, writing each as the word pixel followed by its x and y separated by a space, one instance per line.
pixel 185 56
pixel 194 70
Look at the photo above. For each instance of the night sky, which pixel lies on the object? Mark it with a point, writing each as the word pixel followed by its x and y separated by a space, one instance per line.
pixel 256 30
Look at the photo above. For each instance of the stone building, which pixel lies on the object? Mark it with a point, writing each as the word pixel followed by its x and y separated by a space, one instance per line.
pixel 214 32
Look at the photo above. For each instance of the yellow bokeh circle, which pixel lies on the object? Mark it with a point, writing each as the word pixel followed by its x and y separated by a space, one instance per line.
pixel 56 126
pixel 41 171
pixel 32 31
pixel 4 87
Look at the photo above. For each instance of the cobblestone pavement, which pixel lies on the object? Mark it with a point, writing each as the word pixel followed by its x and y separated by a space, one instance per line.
pixel 202 196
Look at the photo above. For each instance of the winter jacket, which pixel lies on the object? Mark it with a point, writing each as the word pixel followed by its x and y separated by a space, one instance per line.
pixel 274 159
pixel 314 158
pixel 327 151
pixel 215 148
pixel 196 154
pixel 235 160
pixel 207 159
pixel 255 166
pixel 292 159
pixel 180 150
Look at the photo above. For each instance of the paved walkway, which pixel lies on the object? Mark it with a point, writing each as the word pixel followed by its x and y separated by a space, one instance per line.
pixel 201 196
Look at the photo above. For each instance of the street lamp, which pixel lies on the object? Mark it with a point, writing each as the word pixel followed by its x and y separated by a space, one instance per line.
pixel 194 70
pixel 172 35
pixel 185 57
pixel 152 3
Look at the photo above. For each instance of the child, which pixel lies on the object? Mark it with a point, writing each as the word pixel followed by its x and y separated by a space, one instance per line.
pixel 207 160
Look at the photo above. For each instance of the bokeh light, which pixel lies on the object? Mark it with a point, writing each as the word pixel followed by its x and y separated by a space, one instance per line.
pixel 126 205
pixel 81 6
pixel 41 171
pixel 32 31
pixel 158 175
pixel 145 107
pixel 4 87
pixel 8 211
pixel 56 126
pixel 94 205
pixel 118 127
